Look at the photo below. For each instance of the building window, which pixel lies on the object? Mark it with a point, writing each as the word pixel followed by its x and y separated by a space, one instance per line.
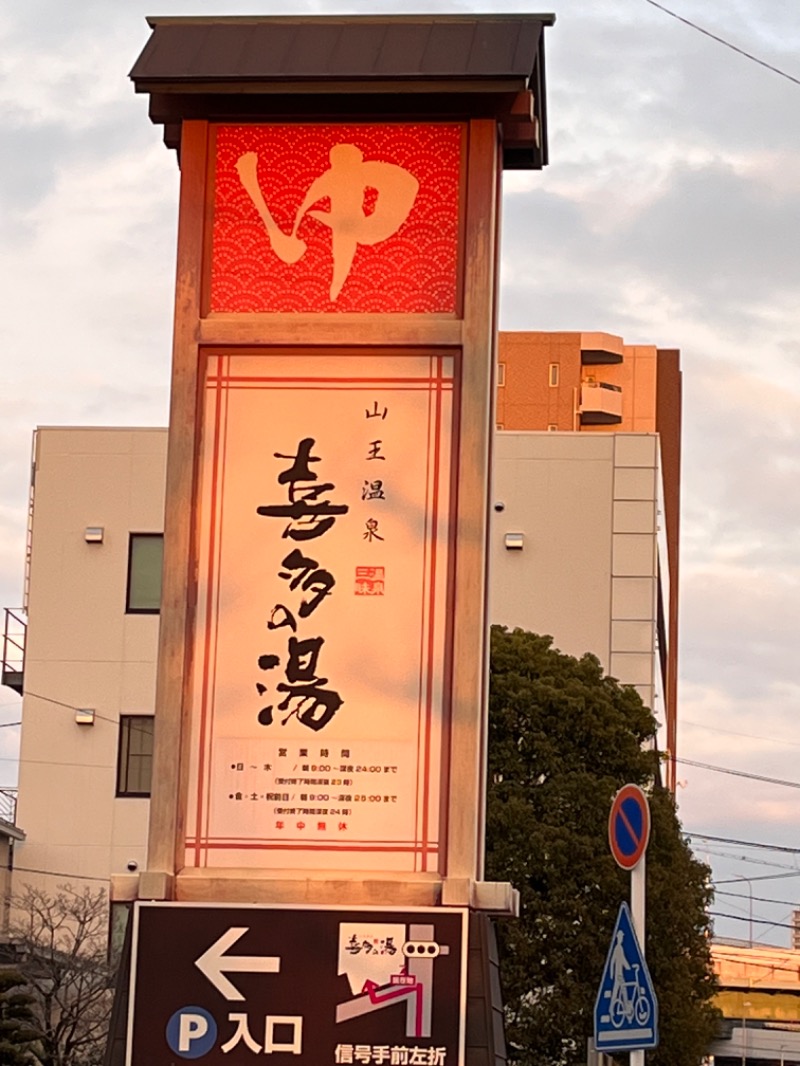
pixel 553 374
pixel 135 762
pixel 501 374
pixel 552 427
pixel 145 557
pixel 499 425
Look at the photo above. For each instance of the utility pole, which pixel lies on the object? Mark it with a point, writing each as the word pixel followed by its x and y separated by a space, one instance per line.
pixel 750 909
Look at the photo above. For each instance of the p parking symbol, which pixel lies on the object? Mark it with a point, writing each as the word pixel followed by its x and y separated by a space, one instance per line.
pixel 191 1032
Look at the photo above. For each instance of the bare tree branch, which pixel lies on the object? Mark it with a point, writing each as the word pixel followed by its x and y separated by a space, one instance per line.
pixel 62 939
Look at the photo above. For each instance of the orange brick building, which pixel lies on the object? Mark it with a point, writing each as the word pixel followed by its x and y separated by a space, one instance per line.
pixel 595 383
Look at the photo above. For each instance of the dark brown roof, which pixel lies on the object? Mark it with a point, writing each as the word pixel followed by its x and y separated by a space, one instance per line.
pixel 434 65
pixel 406 48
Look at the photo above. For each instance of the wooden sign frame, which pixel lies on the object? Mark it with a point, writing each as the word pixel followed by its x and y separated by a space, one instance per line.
pixel 469 332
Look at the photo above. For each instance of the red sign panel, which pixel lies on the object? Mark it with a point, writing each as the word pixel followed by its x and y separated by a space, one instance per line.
pixel 336 218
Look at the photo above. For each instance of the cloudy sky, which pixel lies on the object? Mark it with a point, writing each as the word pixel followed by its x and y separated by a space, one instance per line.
pixel 669 214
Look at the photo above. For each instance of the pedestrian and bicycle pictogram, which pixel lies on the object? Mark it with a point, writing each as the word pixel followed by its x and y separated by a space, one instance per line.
pixel 626 1009
pixel 629 1000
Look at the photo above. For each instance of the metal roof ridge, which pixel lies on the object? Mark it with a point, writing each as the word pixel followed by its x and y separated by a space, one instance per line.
pixel 547 18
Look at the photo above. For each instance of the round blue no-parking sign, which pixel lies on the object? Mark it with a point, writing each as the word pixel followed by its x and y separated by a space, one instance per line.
pixel 629 826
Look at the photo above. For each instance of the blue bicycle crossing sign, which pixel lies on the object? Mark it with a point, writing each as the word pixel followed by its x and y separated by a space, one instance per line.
pixel 626 1008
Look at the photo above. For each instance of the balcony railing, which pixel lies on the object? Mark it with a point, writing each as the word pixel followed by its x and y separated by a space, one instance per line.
pixel 12 652
pixel 8 805
pixel 601 404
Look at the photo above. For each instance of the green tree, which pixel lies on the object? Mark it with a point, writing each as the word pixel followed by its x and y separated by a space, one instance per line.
pixel 19 1033
pixel 563 738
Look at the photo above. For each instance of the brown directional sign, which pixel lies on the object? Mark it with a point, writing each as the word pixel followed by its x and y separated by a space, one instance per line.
pixel 308 986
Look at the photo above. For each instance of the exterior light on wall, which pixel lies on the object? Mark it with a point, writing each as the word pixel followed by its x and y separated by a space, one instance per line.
pixel 93 534
pixel 514 541
pixel 84 715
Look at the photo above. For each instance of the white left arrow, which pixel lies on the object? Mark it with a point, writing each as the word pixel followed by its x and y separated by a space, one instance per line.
pixel 214 963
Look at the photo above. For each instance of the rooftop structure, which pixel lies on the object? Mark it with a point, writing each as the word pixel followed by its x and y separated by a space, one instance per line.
pixel 351 67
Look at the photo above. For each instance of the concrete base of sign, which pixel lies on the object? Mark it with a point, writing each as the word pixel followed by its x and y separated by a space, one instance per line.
pixel 497 898
pixel 324 888
pixel 124 887
pixel 155 884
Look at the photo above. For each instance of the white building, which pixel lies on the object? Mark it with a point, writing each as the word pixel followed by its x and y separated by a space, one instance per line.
pixel 90 652
pixel 574 554
pixel 576 547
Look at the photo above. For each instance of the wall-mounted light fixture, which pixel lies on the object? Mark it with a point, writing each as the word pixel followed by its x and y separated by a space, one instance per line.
pixel 84 715
pixel 514 541
pixel 93 534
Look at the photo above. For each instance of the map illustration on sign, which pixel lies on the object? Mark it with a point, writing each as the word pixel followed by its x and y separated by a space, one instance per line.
pixel 387 966
pixel 626 1009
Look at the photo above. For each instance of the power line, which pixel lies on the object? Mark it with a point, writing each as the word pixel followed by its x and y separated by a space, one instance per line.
pixel 54 873
pixel 721 40
pixel 760 877
pixel 758 899
pixel 100 717
pixel 753 861
pixel 742 843
pixel 772 967
pixel 720 851
pixel 723 851
pixel 777 954
pixel 735 733
pixel 738 773
pixel 57 762
pixel 755 921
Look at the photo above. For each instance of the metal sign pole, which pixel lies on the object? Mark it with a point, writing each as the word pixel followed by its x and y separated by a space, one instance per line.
pixel 638 914
pixel 626 1007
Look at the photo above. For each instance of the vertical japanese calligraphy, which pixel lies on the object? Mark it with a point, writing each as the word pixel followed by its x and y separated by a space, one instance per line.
pixel 319 688
pixel 310 517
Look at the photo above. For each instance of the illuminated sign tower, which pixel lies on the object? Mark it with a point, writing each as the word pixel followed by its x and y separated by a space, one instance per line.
pixel 320 711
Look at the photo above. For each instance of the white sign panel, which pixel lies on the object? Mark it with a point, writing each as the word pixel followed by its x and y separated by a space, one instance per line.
pixel 321 647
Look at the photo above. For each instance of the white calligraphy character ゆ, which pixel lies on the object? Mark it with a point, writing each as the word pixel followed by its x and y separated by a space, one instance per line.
pixel 344 184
